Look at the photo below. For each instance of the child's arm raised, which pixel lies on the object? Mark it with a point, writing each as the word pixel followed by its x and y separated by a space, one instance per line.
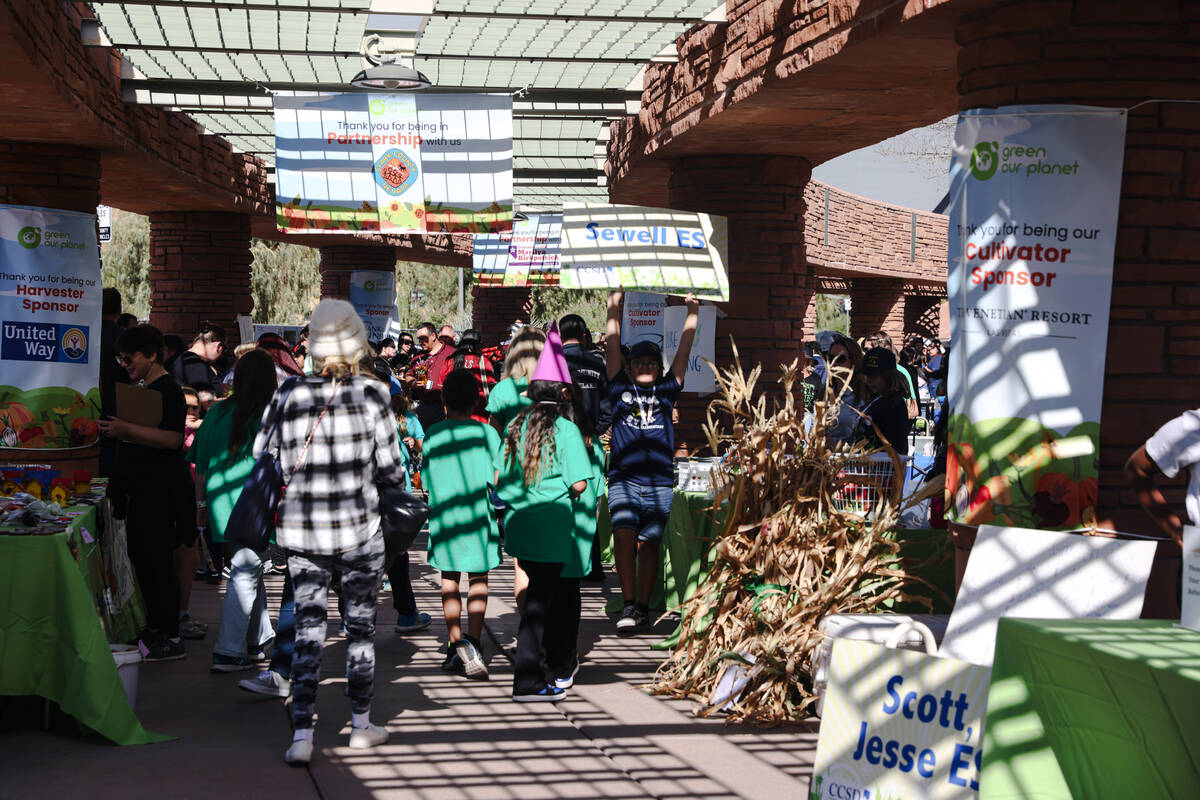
pixel 679 366
pixel 612 335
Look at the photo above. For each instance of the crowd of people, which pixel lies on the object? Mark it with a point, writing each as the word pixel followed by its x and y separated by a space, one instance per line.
pixel 514 445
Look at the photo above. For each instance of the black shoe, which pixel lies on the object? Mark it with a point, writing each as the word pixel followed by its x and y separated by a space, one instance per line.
pixel 454 663
pixel 163 649
pixel 628 620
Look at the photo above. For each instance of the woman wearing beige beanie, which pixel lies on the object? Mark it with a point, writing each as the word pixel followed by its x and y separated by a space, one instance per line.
pixel 337 442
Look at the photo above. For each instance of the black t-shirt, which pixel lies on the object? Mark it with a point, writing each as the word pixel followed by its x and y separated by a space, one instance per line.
pixel 138 458
pixel 588 373
pixel 889 412
pixel 643 438
pixel 812 388
pixel 191 370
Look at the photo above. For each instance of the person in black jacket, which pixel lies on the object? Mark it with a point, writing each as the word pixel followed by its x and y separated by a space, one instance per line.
pixel 193 367
pixel 111 373
pixel 886 403
pixel 587 370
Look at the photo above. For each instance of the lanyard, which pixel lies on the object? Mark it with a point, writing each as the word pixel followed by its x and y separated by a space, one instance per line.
pixel 646 405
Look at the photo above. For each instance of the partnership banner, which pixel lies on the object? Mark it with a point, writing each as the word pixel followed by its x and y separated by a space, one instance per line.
pixel 1033 222
pixel 393 163
pixel 526 256
pixel 50 299
pixel 644 249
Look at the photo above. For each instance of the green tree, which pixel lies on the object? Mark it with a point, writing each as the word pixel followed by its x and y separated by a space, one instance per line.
pixel 285 282
pixel 125 261
pixel 550 302
pixel 429 293
pixel 831 315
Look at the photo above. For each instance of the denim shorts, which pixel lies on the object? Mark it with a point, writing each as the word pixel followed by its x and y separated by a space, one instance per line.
pixel 639 507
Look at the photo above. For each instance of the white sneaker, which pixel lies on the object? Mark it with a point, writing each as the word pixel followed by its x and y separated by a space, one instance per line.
pixel 300 752
pixel 270 683
pixel 472 659
pixel 364 738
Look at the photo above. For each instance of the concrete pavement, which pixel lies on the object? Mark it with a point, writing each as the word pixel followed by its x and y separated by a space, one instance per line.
pixel 450 737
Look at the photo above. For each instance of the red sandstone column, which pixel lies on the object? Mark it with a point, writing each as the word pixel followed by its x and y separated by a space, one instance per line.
pixel 1120 54
pixel 199 271
pixel 339 260
pixel 495 309
pixel 877 304
pixel 770 309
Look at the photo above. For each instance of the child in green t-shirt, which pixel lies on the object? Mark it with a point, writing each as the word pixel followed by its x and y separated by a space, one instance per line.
pixel 541 471
pixel 463 536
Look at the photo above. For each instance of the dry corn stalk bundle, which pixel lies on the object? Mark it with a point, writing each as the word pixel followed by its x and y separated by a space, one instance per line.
pixel 784 557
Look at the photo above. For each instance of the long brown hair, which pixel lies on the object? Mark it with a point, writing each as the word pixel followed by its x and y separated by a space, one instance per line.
pixel 537 421
pixel 253 385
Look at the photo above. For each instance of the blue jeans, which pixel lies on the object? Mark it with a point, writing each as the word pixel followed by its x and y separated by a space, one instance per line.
pixel 640 507
pixel 285 633
pixel 245 623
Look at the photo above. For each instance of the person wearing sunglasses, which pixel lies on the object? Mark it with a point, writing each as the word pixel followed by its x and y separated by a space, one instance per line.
pixel 426 372
pixel 152 490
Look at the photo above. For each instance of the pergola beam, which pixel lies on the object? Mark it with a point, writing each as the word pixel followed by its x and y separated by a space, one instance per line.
pixel 249 5
pixel 263 51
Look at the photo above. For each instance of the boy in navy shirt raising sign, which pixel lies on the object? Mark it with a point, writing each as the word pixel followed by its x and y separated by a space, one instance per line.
pixel 641 473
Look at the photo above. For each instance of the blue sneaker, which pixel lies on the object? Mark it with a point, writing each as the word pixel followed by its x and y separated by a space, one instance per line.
pixel 548 694
pixel 408 623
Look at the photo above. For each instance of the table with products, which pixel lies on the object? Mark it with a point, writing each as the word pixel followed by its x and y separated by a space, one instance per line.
pixel 66 591
pixel 1093 708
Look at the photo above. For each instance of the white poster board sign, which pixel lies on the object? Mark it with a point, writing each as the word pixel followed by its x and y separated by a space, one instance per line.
pixel 898 723
pixel 1017 572
pixel 373 295
pixel 104 223
pixel 700 377
pixel 644 249
pixel 1190 617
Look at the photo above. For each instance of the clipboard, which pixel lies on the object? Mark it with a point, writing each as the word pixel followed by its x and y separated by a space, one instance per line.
pixel 138 405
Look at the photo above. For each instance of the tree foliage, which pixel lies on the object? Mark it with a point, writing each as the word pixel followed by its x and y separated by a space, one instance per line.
pixel 550 302
pixel 125 261
pixel 285 282
pixel 429 293
pixel 831 315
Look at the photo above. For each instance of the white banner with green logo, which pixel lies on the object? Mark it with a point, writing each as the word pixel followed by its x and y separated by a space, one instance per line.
pixel 49 328
pixel 1033 221
pixel 373 295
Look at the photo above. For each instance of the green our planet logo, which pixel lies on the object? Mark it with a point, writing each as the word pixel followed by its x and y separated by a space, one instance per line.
pixel 369 285
pixel 985 160
pixel 378 106
pixel 29 237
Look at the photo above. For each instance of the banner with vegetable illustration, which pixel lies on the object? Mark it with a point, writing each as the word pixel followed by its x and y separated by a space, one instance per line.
pixel 393 163
pixel 49 328
pixel 1033 221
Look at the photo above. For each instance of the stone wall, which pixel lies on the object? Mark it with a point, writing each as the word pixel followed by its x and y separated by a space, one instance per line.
pixel 496 308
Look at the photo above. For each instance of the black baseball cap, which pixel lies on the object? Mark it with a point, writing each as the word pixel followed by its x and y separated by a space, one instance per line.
pixel 645 348
pixel 878 361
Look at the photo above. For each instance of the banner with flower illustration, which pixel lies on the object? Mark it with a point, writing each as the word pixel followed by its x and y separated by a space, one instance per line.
pixel 393 163
pixel 49 328
pixel 1035 192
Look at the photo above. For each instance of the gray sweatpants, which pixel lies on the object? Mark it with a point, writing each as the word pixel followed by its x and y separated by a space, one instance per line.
pixel 359 572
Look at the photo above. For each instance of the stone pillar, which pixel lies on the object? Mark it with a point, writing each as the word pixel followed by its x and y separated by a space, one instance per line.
pixel 199 271
pixel 339 260
pixel 877 304
pixel 772 295
pixel 1037 52
pixel 50 175
pixel 922 315
pixel 496 308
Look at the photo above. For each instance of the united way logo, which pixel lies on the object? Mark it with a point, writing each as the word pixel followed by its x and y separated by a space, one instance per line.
pixel 395 172
pixel 74 344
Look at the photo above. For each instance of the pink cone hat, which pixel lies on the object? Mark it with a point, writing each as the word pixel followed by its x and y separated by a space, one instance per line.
pixel 552 364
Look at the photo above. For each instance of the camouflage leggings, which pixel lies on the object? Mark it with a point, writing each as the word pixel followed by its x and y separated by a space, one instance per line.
pixel 359 571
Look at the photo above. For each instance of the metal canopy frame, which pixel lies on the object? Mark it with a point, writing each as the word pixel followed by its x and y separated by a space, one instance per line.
pixel 572 65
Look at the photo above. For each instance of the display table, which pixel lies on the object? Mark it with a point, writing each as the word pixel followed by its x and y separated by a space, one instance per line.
pixel 52 640
pixel 1093 708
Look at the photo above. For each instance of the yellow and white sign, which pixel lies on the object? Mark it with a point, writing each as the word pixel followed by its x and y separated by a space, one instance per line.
pixel 899 725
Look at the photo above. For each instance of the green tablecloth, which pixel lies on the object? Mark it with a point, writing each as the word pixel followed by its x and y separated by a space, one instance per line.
pixel 1093 709
pixel 52 643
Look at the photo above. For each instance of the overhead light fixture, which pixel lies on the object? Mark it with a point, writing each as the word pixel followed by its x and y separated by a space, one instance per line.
pixel 391 77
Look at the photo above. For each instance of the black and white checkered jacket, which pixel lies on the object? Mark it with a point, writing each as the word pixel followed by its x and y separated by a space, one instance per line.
pixel 331 503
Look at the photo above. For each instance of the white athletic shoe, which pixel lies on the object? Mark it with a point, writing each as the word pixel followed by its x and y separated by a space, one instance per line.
pixel 364 738
pixel 300 752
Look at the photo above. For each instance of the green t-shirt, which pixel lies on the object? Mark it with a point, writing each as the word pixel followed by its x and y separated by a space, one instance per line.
pixel 506 400
pixel 224 472
pixel 463 536
pixel 585 515
pixel 540 524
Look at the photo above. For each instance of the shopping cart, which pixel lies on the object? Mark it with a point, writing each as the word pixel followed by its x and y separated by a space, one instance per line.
pixel 867 480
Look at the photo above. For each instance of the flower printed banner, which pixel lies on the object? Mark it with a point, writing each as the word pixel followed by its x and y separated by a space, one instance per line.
pixel 393 163
pixel 49 328
pixel 644 249
pixel 526 256
pixel 1033 222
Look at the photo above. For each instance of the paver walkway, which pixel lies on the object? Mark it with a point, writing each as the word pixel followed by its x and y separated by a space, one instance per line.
pixel 451 738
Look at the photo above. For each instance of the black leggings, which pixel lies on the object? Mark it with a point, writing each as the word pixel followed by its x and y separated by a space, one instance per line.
pixel 535 636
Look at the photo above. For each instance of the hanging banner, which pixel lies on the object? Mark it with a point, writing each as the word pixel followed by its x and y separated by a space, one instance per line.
pixel 49 328
pixel 393 163
pixel 899 724
pixel 644 249
pixel 373 295
pixel 525 256
pixel 1033 221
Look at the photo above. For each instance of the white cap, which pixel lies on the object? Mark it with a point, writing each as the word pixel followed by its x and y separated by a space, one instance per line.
pixel 336 330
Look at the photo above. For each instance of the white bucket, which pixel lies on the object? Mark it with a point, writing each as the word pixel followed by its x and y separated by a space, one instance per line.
pixel 128 658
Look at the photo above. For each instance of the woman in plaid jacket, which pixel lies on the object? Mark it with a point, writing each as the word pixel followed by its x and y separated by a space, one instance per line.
pixel 337 442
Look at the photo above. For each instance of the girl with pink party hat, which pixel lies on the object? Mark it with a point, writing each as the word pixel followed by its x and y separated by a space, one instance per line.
pixel 542 469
